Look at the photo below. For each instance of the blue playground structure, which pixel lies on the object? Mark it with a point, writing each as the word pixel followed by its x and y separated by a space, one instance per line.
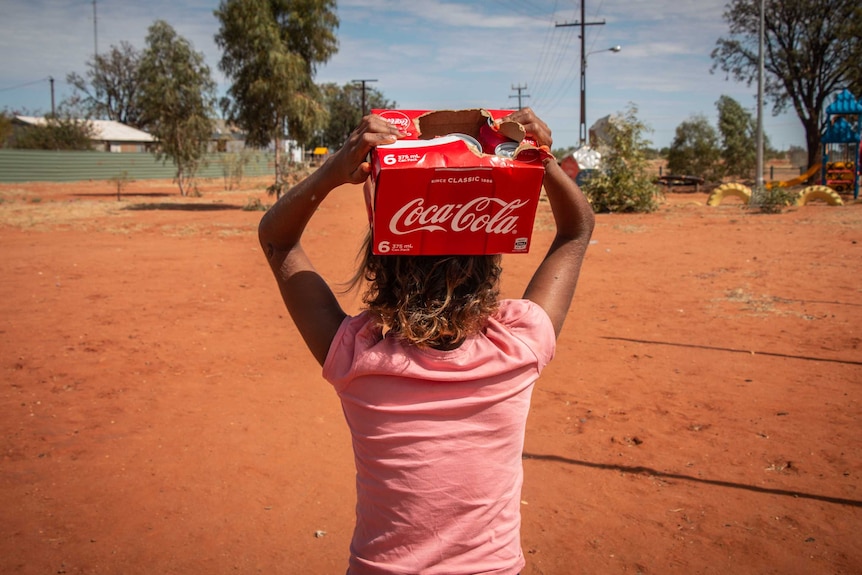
pixel 840 143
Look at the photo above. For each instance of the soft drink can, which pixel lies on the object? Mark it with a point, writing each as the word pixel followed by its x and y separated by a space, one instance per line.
pixel 491 137
pixel 471 141
pixel 506 149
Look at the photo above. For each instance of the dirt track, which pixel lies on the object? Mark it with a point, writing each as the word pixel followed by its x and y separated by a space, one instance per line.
pixel 161 414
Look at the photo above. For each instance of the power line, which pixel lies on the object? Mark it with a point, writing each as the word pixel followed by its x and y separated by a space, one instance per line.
pixel 525 8
pixel 549 67
pixel 40 80
pixel 543 52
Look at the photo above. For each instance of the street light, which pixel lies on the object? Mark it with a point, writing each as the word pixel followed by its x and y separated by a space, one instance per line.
pixel 582 131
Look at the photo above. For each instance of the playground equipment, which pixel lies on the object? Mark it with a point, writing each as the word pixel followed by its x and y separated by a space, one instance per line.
pixel 842 140
pixel 797 181
pixel 840 170
pixel 824 193
pixel 740 191
pixel 743 192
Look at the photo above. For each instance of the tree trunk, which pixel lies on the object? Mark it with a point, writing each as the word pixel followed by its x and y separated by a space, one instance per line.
pixel 812 140
pixel 181 181
pixel 279 177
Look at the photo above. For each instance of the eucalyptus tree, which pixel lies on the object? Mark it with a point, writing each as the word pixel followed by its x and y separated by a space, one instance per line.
pixel 270 53
pixel 177 97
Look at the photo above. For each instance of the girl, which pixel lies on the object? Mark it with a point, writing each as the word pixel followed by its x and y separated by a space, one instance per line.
pixel 435 376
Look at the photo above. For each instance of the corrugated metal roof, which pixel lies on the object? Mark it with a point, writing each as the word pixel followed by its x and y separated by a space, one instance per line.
pixel 104 130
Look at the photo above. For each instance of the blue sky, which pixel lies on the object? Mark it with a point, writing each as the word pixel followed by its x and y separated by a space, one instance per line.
pixel 433 54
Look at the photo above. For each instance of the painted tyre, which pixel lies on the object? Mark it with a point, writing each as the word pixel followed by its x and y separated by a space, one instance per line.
pixel 737 190
pixel 824 193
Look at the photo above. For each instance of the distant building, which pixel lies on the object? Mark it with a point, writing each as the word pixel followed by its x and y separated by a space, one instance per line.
pixel 226 137
pixel 108 135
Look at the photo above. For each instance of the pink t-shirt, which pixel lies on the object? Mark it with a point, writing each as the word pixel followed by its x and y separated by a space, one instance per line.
pixel 438 438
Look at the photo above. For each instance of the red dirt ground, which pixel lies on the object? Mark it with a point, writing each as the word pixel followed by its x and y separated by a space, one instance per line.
pixel 161 415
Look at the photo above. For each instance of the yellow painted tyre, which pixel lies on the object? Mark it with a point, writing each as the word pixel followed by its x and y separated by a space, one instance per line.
pixel 738 190
pixel 824 193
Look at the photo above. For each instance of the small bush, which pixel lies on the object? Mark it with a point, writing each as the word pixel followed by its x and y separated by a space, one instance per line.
pixel 233 167
pixel 121 180
pixel 254 205
pixel 771 200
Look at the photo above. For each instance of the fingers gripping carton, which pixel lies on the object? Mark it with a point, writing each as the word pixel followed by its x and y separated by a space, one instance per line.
pixel 459 183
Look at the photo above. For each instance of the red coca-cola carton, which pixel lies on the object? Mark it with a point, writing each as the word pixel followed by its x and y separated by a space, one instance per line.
pixel 440 191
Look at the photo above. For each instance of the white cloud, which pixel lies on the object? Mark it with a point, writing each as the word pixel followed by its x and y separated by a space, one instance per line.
pixel 430 53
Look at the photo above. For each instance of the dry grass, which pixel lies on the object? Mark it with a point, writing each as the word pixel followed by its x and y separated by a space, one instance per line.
pixel 91 206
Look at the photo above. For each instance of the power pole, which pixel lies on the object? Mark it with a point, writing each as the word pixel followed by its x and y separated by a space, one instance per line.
pixel 582 130
pixel 95 35
pixel 363 82
pixel 758 179
pixel 520 89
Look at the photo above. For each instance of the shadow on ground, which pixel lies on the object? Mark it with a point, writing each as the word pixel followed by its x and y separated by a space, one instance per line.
pixel 182 207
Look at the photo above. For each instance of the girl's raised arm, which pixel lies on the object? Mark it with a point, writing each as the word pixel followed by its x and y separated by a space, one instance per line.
pixel 309 299
pixel 553 283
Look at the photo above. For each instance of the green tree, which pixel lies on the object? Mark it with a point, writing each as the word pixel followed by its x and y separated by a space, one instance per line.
pixel 738 133
pixel 5 128
pixel 270 52
pixel 344 106
pixel 811 52
pixel 177 97
pixel 109 88
pixel 694 150
pixel 623 183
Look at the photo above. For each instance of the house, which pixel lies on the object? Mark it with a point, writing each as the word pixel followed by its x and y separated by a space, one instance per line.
pixel 226 137
pixel 108 135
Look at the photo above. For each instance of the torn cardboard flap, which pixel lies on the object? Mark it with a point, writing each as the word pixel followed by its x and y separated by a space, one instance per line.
pixel 443 122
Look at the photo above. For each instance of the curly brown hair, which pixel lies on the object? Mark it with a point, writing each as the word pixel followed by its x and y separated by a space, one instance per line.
pixel 430 301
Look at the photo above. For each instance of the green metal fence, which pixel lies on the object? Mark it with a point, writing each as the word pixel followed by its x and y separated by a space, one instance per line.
pixel 48 166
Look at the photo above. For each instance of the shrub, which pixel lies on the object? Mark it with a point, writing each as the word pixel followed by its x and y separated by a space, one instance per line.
pixel 254 205
pixel 623 183
pixel 233 167
pixel 771 200
pixel 121 180
pixel 57 133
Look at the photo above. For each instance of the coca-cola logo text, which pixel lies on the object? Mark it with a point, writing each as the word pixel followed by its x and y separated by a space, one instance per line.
pixel 473 216
pixel 397 119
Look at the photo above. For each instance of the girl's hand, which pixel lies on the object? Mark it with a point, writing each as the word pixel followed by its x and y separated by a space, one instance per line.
pixel 534 126
pixel 350 163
